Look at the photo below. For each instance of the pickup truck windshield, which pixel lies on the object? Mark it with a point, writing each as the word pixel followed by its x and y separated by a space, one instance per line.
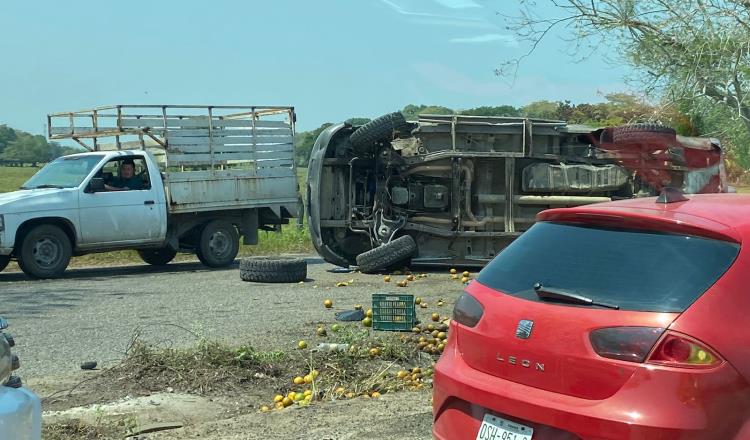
pixel 65 172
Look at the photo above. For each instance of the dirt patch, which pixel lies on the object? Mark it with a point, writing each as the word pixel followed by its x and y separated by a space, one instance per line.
pixel 198 385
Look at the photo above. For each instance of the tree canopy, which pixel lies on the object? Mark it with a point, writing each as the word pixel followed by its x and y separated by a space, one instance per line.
pixel 19 146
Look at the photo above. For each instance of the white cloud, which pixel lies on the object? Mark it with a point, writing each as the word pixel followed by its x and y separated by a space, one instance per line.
pixel 487 38
pixel 459 4
pixel 411 12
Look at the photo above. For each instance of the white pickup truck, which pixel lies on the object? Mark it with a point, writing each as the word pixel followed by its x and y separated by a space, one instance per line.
pixel 175 179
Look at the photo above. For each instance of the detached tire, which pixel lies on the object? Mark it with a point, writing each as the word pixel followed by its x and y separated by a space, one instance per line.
pixel 45 252
pixel 157 257
pixel 219 244
pixel 273 270
pixel 4 260
pixel 364 138
pixel 637 133
pixel 386 255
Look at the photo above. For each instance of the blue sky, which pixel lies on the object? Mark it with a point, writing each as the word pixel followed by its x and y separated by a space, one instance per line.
pixel 331 59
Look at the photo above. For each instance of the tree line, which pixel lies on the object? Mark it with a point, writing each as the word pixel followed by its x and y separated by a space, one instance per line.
pixel 19 147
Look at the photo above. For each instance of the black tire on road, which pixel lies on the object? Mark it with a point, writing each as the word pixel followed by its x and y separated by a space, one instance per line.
pixel 45 252
pixel 4 260
pixel 387 255
pixel 380 129
pixel 637 133
pixel 219 244
pixel 273 270
pixel 157 257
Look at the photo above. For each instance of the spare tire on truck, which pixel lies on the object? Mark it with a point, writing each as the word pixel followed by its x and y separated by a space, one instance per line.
pixel 636 133
pixel 364 138
pixel 387 255
pixel 273 269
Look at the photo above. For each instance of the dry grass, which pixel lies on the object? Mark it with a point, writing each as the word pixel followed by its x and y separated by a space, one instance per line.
pixel 213 368
pixel 79 430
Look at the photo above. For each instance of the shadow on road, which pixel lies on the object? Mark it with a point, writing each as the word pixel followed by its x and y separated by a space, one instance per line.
pixel 94 273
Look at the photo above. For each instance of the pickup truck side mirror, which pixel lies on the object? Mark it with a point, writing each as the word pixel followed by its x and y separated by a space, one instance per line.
pixel 95 185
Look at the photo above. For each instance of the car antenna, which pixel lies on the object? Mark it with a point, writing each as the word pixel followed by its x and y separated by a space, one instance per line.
pixel 671 195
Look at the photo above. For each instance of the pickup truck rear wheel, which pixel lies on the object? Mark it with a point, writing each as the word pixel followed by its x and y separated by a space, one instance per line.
pixel 273 270
pixel 157 257
pixel 387 255
pixel 219 244
pixel 45 252
pixel 364 138
pixel 4 260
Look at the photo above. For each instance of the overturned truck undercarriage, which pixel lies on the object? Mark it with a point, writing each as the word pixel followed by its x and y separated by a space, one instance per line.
pixel 457 189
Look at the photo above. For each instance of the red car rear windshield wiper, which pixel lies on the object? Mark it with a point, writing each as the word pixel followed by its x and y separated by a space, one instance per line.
pixel 548 293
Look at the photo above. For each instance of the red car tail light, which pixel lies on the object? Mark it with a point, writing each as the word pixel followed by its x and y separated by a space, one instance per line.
pixel 676 350
pixel 625 343
pixel 467 311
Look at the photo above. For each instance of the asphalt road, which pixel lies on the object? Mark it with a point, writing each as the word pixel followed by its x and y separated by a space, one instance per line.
pixel 93 313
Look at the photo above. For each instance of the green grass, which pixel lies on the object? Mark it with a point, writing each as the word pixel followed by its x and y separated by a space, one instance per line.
pixel 291 239
pixel 11 178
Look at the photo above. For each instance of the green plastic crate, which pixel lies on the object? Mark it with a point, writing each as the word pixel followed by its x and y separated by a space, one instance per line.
pixel 392 312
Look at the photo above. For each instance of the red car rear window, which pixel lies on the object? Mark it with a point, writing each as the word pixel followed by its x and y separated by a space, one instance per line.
pixel 635 270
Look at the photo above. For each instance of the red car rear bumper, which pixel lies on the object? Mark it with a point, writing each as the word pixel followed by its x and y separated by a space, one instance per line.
pixel 653 404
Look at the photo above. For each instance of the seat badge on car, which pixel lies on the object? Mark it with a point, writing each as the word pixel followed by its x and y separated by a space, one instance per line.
pixel 523 331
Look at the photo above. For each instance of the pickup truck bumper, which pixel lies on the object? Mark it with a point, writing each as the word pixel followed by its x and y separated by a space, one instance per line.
pixel 20 414
pixel 5 246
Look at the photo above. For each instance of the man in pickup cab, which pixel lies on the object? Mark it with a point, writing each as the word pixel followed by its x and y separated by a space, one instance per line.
pixel 127 180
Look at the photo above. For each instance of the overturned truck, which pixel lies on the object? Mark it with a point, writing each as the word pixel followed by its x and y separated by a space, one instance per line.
pixel 457 189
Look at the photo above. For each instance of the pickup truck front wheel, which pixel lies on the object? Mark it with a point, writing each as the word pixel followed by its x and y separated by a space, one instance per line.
pixel 157 257
pixel 219 244
pixel 45 252
pixel 4 260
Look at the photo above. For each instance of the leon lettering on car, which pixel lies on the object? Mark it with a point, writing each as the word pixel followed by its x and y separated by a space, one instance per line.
pixel 513 360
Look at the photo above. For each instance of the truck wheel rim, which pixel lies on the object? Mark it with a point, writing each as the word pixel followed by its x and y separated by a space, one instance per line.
pixel 218 244
pixel 47 252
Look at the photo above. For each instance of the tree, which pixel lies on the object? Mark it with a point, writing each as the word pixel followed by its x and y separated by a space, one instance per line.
pixel 542 109
pixel 502 110
pixel 304 142
pixel 411 112
pixel 690 53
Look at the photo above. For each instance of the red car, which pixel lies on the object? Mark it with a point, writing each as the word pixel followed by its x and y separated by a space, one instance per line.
pixel 622 320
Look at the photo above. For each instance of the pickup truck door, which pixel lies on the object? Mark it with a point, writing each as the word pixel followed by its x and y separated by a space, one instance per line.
pixel 122 217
